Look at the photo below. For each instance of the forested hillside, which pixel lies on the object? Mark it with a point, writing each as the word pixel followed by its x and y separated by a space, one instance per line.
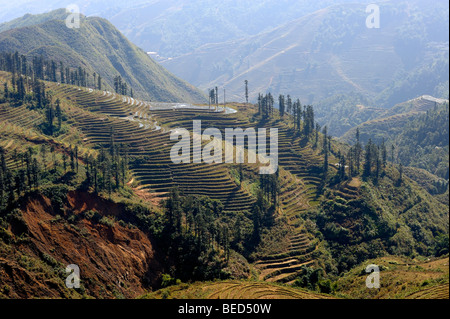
pixel 424 142
pixel 415 131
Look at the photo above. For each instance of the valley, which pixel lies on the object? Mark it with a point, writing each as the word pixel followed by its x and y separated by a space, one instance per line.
pixel 235 150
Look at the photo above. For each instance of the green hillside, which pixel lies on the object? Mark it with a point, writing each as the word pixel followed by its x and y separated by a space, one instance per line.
pixel 418 130
pixel 33 19
pixel 102 183
pixel 98 47
pixel 368 221
pixel 400 278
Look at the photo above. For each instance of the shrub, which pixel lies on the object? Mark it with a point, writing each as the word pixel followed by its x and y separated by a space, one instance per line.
pixel 167 281
pixel 107 221
pixel 165 294
pixel 49 260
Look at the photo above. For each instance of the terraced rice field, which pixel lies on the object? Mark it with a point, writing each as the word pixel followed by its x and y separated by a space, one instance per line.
pixel 300 166
pixel 19 121
pixel 436 292
pixel 145 129
pixel 299 178
pixel 242 290
pixel 237 290
pixel 349 190
pixel 100 116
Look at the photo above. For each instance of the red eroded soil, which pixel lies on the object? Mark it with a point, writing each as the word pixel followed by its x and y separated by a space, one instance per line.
pixel 114 261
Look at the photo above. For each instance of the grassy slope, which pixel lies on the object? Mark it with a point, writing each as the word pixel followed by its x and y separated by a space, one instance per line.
pixel 101 48
pixel 33 19
pixel 234 290
pixel 400 277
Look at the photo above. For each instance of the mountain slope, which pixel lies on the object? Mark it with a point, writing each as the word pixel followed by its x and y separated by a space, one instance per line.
pixel 307 230
pixel 174 27
pixel 342 112
pixel 18 8
pixel 30 19
pixel 100 48
pixel 401 278
pixel 116 261
pixel 370 220
pixel 389 123
pixel 418 129
pixel 328 52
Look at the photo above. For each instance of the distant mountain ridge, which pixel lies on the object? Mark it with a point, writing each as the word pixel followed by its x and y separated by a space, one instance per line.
pixel 331 51
pixel 31 19
pixel 99 47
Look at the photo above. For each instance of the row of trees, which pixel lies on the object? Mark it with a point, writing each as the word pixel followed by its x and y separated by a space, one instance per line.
pixel 197 242
pixel 368 162
pixel 24 90
pixel 30 169
pixel 214 97
pixel 109 170
pixel 264 209
pixel 53 112
pixel 286 106
pixel 34 96
pixel 53 71
pixel 373 158
pixel 48 70
pixel 121 87
pixel 23 177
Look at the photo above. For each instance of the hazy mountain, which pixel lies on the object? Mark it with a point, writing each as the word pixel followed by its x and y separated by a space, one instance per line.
pixel 174 27
pixel 331 51
pixel 99 47
pixel 15 9
pixel 342 112
pixel 327 49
